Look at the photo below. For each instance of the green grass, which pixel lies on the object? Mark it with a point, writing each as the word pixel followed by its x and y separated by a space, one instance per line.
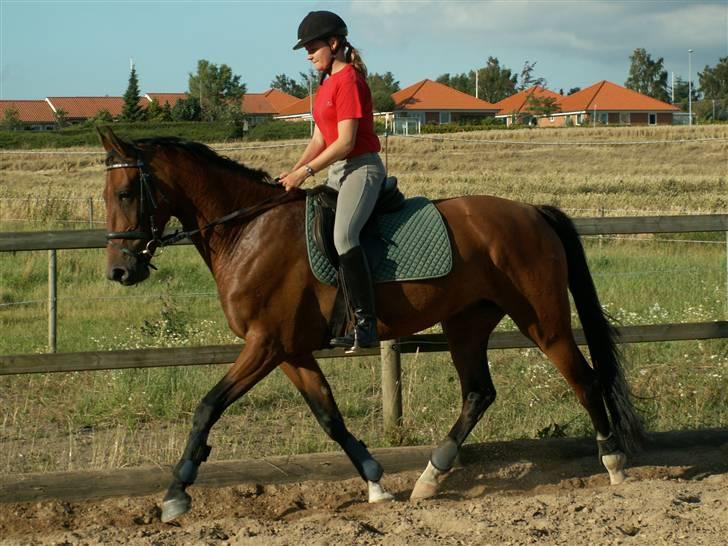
pixel 136 416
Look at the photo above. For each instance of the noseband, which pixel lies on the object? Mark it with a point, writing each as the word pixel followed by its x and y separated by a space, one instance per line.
pixel 148 207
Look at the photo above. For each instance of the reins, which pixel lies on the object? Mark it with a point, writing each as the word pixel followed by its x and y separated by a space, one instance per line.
pixel 155 240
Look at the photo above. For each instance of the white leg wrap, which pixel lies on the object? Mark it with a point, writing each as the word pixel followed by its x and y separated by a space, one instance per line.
pixel 378 494
pixel 427 483
pixel 614 464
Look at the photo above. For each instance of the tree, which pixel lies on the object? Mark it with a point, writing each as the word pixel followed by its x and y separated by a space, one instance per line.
pixel 681 90
pixel 462 82
pixel 714 81
pixel 218 91
pixel 382 86
pixel 132 110
pixel 11 119
pixel 527 80
pixel 103 116
pixel 289 85
pixel 647 76
pixel 187 109
pixel 573 90
pixel 157 112
pixel 61 117
pixel 495 83
pixel 542 106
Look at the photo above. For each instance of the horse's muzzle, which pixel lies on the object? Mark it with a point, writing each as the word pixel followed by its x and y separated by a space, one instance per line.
pixel 127 276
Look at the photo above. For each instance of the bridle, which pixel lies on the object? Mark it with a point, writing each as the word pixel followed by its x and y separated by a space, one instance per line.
pixel 148 206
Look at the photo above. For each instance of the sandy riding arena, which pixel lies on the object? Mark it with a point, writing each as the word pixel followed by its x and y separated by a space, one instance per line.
pixel 523 492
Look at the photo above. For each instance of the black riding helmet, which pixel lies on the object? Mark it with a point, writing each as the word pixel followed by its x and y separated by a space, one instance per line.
pixel 319 25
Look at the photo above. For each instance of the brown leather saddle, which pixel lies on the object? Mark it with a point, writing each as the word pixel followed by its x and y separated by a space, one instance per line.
pixel 325 198
pixel 390 199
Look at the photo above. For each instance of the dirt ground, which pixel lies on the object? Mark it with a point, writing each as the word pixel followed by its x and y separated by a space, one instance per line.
pixel 673 496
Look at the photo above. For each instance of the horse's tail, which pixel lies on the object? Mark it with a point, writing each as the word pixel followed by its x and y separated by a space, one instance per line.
pixel 600 334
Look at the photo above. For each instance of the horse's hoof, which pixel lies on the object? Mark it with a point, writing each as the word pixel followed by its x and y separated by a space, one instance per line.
pixel 423 490
pixel 175 507
pixel 614 463
pixel 426 485
pixel 378 494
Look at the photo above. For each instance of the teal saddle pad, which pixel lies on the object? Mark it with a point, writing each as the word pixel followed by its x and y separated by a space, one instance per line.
pixel 407 245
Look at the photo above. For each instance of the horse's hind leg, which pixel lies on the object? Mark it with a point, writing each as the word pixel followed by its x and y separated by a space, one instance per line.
pixel 305 373
pixel 467 334
pixel 564 353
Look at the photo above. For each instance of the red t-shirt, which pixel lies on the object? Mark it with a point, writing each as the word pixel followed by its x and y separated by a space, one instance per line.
pixel 346 95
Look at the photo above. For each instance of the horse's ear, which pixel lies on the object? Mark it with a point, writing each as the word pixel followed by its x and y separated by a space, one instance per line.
pixel 111 142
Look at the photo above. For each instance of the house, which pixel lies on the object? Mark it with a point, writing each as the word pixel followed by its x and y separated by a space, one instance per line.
pixel 428 101
pixel 519 108
pixel 32 115
pixel 165 98
pixel 607 103
pixel 298 110
pixel 259 107
pixel 80 109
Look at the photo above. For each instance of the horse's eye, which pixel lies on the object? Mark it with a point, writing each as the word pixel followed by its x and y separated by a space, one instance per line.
pixel 124 195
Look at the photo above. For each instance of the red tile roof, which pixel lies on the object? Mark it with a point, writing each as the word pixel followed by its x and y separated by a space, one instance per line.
pixel 430 95
pixel 88 107
pixel 605 95
pixel 279 99
pixel 519 102
pixel 270 102
pixel 301 106
pixel 29 111
pixel 166 98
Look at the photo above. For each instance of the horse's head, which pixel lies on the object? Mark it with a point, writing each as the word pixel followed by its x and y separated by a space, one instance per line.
pixel 136 210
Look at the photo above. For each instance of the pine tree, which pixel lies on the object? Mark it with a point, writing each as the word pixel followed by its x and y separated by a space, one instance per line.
pixel 132 111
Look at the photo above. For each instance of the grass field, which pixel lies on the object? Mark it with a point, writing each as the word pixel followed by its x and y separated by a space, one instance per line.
pixel 110 419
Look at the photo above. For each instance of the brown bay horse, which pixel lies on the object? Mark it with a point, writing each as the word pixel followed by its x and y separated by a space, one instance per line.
pixel 509 258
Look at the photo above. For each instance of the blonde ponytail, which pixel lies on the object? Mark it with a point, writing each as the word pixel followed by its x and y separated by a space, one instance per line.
pixel 354 57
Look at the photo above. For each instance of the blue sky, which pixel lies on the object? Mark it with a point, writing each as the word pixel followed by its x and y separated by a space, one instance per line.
pixel 63 47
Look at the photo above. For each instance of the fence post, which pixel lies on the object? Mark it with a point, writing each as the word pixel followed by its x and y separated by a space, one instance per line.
pixel 52 301
pixel 391 385
pixel 91 212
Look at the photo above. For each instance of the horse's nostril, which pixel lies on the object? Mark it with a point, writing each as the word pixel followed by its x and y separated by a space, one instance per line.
pixel 118 274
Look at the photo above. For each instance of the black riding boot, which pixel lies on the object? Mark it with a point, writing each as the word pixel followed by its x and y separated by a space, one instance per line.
pixel 359 290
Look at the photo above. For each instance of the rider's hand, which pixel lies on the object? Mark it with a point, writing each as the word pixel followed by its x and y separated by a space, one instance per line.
pixel 293 179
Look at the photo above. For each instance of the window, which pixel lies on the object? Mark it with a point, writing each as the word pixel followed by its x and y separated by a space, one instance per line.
pixel 603 118
pixel 444 117
pixel 624 118
pixel 552 118
pixel 652 117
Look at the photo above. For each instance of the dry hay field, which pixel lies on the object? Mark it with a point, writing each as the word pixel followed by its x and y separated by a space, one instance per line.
pixel 511 493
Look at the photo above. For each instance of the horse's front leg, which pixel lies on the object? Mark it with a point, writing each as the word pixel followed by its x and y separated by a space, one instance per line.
pixel 305 373
pixel 258 358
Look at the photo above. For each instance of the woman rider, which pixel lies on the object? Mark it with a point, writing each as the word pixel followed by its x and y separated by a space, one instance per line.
pixel 344 141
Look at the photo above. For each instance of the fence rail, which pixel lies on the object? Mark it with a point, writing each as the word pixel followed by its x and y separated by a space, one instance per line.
pixel 225 354
pixel 390 351
pixel 94 238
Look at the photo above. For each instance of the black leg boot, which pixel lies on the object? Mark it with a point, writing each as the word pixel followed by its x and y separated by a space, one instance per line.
pixel 359 291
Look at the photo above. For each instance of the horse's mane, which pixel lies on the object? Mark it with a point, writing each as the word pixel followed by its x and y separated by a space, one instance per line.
pixel 206 153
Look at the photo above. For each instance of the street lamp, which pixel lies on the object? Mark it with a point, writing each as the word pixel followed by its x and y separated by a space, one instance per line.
pixel 690 87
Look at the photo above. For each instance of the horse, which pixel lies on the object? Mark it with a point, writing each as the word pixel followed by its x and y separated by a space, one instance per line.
pixel 509 258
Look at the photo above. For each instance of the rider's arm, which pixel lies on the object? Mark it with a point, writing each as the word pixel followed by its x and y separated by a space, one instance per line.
pixel 340 148
pixel 314 148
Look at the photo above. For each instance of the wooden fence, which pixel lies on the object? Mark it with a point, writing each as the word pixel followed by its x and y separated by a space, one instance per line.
pixel 390 350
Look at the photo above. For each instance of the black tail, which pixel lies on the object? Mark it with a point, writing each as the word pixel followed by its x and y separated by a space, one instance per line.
pixel 600 334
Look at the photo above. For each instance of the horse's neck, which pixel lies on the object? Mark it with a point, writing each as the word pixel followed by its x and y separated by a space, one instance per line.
pixel 207 193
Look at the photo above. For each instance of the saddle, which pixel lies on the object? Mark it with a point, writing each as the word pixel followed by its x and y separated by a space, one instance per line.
pixel 325 198
pixel 404 239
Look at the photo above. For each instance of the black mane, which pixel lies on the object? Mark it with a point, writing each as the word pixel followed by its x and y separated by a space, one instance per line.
pixel 206 153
